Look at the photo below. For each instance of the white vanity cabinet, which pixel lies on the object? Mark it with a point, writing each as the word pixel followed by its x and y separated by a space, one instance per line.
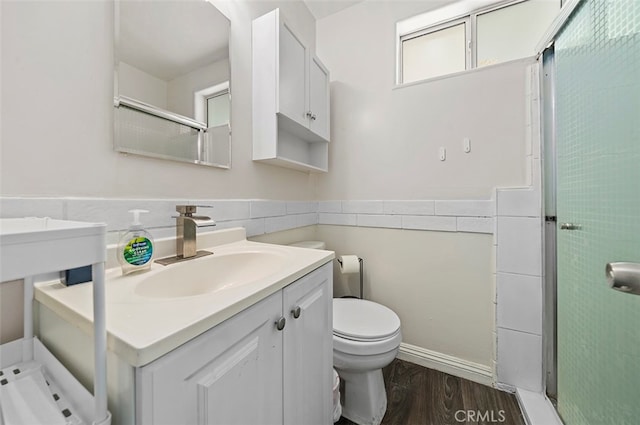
pixel 291 124
pixel 248 371
pixel 308 349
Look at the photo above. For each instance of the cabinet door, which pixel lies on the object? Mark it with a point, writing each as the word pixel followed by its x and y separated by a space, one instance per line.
pixel 308 349
pixel 232 374
pixel 293 77
pixel 319 98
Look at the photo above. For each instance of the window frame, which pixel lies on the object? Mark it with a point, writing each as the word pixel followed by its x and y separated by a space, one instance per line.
pixel 432 29
pixel 200 104
pixel 222 92
pixel 442 18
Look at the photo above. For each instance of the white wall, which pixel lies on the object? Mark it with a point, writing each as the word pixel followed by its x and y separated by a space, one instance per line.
pixel 384 146
pixel 439 284
pixel 376 128
pixel 135 83
pixel 180 90
pixel 57 110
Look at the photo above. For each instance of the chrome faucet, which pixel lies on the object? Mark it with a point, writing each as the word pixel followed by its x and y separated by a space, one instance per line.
pixel 186 224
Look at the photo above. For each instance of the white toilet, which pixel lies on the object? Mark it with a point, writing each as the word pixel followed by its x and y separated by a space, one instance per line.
pixel 366 338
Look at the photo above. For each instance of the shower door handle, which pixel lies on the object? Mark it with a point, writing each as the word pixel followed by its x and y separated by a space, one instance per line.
pixel 624 277
pixel 570 226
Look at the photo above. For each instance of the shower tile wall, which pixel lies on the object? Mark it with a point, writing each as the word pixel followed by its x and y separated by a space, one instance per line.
pixel 519 289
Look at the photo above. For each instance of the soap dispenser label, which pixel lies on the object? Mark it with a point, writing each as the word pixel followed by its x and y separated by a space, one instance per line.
pixel 138 251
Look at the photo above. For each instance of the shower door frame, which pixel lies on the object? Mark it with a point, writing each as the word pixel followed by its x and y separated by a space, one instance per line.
pixel 547 93
pixel 549 172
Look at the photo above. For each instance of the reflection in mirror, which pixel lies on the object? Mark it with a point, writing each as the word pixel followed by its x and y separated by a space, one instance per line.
pixel 172 74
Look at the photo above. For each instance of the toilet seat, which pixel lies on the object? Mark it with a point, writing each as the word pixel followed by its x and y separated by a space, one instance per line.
pixel 363 321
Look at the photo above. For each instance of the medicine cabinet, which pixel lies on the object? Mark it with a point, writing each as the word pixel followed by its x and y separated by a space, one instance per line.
pixel 290 98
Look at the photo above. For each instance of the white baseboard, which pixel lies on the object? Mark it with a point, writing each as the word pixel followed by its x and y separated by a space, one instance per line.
pixel 447 364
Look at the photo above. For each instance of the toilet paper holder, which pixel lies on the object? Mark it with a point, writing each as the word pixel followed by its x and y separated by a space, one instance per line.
pixel 361 261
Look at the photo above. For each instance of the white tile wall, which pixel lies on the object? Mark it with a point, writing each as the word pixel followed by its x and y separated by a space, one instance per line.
pixel 302 207
pixel 261 209
pixel 374 220
pixel 363 207
pixel 519 302
pixel 115 213
pixel 410 207
pixel 474 216
pixel 421 222
pixel 465 208
pixel 32 207
pixel 270 216
pixel 330 207
pixel 519 245
pixel 254 227
pixel 338 219
pixel 306 219
pixel 519 202
pixel 227 210
pixel 519 359
pixel 277 224
pixel 475 224
pixel 274 215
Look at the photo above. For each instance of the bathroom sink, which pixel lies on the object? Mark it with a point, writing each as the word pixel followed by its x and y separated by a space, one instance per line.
pixel 151 313
pixel 210 274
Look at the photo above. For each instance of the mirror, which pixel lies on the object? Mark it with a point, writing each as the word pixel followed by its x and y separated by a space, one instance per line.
pixel 172 81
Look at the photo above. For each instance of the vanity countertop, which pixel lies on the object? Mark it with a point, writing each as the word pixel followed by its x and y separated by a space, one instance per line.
pixel 142 328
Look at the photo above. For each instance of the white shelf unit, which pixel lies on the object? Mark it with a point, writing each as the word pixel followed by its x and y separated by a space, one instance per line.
pixel 291 119
pixel 34 386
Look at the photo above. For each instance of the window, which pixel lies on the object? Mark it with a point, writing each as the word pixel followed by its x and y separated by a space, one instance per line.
pixel 211 105
pixel 464 36
pixel 218 109
pixel 512 32
pixel 448 44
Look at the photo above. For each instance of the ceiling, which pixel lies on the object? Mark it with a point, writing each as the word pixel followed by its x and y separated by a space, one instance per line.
pixel 171 38
pixel 323 8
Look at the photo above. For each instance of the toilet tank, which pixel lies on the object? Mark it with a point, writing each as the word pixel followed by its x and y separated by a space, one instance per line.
pixel 310 244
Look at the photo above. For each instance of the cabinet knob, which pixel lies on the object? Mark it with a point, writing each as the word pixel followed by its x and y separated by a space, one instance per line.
pixel 280 323
pixel 313 117
pixel 296 312
pixel 309 114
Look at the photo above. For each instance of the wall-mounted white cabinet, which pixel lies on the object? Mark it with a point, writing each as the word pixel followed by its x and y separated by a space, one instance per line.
pixel 269 364
pixel 291 125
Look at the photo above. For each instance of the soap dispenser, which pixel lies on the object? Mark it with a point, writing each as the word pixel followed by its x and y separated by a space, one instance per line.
pixel 135 250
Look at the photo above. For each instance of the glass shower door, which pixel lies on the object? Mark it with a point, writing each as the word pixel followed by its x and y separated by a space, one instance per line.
pixel 597 56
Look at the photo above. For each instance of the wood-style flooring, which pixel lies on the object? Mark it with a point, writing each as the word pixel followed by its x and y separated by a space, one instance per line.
pixel 420 396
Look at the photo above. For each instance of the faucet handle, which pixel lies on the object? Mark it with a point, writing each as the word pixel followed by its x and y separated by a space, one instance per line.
pixel 190 209
pixel 186 209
